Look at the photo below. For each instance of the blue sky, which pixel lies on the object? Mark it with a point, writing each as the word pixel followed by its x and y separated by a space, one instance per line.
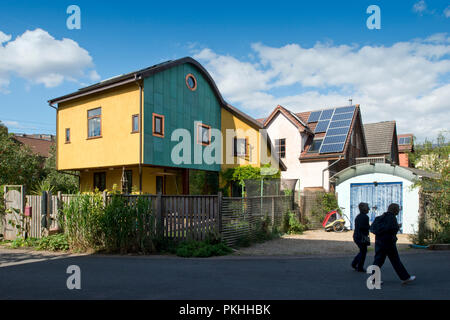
pixel 247 46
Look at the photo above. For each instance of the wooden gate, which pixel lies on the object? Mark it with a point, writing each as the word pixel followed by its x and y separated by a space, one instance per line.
pixel 14 204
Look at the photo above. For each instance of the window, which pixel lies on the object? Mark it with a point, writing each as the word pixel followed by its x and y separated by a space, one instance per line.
pixel 67 135
pixel 135 123
pixel 94 123
pixel 315 146
pixel 100 180
pixel 203 134
pixel 158 125
pixel 280 146
pixel 191 82
pixel 240 147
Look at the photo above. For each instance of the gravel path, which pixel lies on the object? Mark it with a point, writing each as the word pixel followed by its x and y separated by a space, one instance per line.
pixel 315 242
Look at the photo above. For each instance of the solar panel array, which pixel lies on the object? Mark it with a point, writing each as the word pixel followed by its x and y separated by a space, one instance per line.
pixel 336 124
pixel 405 140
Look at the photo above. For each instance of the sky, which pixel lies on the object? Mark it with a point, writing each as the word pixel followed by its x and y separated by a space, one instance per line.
pixel 304 55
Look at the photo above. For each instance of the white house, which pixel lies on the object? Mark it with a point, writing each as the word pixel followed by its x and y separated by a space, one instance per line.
pixel 380 184
pixel 316 144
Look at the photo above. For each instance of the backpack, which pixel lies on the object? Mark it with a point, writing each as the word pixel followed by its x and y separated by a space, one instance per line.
pixel 378 225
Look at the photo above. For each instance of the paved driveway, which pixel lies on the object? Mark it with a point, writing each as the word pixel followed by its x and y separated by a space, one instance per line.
pixel 316 242
pixel 137 277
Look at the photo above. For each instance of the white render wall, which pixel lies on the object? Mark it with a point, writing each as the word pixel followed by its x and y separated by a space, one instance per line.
pixel 410 197
pixel 309 174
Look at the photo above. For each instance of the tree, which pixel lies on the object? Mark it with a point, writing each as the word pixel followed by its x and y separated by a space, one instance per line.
pixel 436 192
pixel 58 181
pixel 18 164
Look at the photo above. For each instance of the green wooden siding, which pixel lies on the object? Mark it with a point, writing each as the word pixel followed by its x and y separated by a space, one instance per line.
pixel 166 93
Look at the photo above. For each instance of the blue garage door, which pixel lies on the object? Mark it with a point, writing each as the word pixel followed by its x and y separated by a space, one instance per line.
pixel 378 195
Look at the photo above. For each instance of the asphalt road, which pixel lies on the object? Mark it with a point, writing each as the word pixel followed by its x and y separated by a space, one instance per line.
pixel 230 278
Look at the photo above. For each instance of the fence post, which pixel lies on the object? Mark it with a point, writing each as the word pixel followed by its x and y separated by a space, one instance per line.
pixel 219 213
pixel 104 198
pixel 273 211
pixel 159 216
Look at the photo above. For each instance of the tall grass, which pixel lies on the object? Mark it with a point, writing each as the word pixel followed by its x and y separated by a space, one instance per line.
pixel 122 225
pixel 128 225
pixel 82 218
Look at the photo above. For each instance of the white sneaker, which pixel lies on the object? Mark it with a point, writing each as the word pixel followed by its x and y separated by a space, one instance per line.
pixel 410 279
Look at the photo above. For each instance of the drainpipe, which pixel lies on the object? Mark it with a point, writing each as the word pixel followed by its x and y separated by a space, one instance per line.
pixel 140 131
pixel 323 171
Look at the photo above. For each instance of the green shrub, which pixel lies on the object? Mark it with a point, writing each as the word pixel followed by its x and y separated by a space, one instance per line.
pixel 24 243
pixel 57 242
pixel 201 249
pixel 325 202
pixel 292 225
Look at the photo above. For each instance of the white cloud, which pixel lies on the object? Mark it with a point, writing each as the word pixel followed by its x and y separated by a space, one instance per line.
pixel 447 12
pixel 406 82
pixel 420 7
pixel 40 58
pixel 4 37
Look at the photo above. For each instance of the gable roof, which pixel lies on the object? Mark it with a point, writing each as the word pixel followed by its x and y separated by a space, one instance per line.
pixel 40 147
pixel 137 76
pixel 306 155
pixel 379 137
pixel 296 120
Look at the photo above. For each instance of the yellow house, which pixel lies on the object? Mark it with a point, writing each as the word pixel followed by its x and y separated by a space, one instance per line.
pixel 132 130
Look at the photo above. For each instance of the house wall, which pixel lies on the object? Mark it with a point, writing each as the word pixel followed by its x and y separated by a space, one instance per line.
pixel 166 93
pixel 410 197
pixel 117 145
pixel 282 128
pixel 242 130
pixel 311 175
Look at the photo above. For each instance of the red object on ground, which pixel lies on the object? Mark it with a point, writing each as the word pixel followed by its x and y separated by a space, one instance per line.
pixel 28 211
pixel 327 217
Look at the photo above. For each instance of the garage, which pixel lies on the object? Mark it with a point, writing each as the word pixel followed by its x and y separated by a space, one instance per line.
pixel 380 184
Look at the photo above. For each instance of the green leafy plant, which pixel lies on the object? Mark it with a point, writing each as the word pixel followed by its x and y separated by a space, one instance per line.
pixel 292 225
pixel 201 249
pixel 325 202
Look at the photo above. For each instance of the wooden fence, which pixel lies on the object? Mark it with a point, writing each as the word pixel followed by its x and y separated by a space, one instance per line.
pixel 178 217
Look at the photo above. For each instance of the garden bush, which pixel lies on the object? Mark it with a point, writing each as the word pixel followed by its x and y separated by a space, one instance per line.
pixel 292 225
pixel 201 249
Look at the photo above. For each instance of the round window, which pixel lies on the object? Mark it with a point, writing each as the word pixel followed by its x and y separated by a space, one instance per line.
pixel 191 82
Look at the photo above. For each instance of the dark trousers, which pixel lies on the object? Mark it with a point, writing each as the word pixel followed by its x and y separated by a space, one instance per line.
pixel 390 250
pixel 358 262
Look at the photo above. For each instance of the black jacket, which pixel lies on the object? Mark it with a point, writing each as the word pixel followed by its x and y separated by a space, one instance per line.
pixel 391 227
pixel 361 227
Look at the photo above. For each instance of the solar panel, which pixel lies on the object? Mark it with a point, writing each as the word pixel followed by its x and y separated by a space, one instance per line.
pixel 337 131
pixel 342 116
pixel 344 109
pixel 335 139
pixel 322 126
pixel 326 114
pixel 405 140
pixel 342 123
pixel 331 148
pixel 314 116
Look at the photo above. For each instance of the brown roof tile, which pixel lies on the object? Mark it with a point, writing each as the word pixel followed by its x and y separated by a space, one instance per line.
pixel 40 147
